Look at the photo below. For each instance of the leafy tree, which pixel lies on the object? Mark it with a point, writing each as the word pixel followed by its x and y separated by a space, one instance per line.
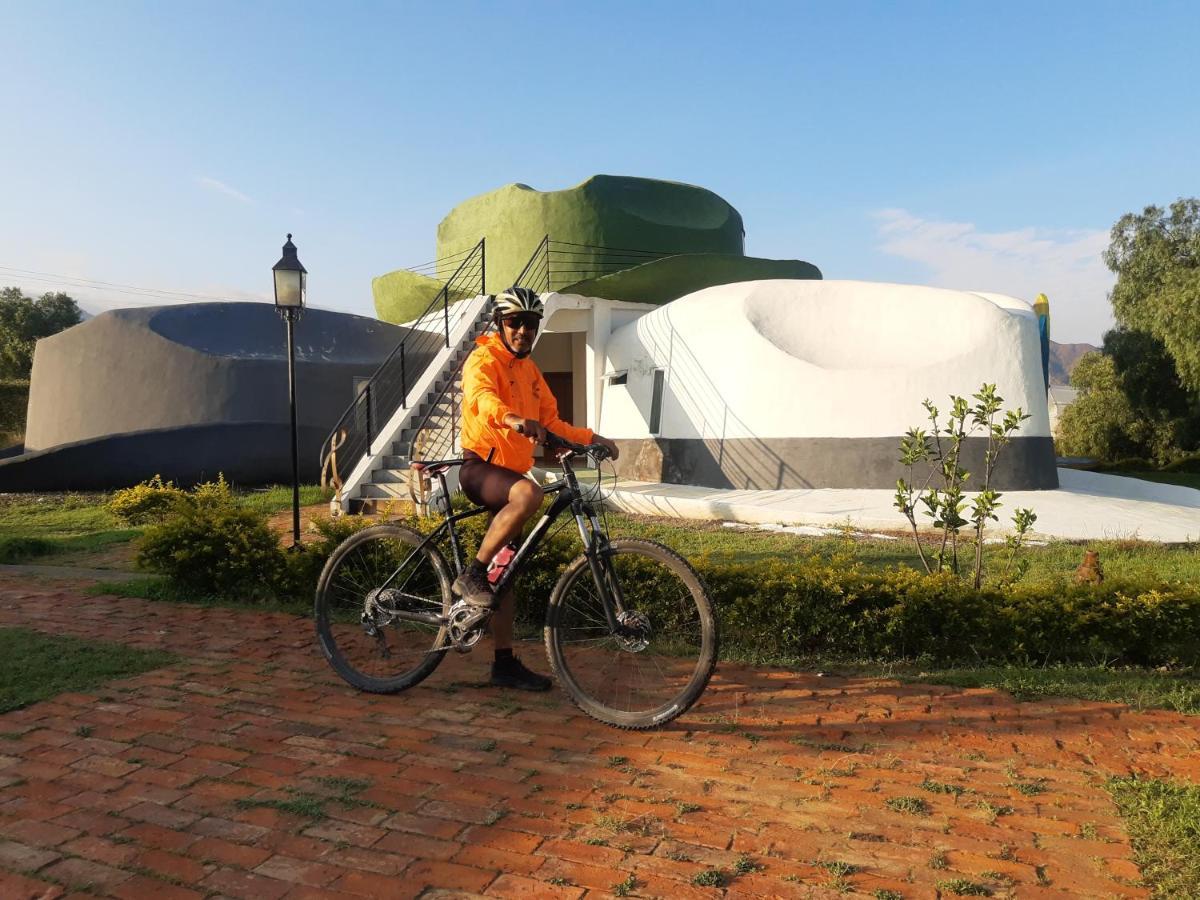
pixel 23 321
pixel 1100 423
pixel 1155 255
pixel 1142 398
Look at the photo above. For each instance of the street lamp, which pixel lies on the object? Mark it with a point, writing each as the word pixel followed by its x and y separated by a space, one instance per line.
pixel 290 278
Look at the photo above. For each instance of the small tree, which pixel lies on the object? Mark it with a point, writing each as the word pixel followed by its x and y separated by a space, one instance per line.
pixel 942 451
pixel 23 321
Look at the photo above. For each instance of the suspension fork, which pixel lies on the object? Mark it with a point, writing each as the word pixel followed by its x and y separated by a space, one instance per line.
pixel 599 557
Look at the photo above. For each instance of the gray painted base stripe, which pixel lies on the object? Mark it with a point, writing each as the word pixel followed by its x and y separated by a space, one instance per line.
pixel 1027 463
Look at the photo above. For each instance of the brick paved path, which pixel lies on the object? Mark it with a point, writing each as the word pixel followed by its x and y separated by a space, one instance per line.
pixel 153 786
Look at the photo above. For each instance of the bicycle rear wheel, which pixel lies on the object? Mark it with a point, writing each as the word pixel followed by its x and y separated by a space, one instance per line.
pixel 659 664
pixel 362 639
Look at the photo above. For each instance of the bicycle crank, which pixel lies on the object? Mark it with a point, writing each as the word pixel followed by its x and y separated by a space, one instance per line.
pixel 465 625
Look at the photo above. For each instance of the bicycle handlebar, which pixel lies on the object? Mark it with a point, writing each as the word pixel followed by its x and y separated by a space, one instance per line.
pixel 598 452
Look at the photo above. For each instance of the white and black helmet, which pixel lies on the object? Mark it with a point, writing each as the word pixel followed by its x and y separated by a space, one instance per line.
pixel 515 300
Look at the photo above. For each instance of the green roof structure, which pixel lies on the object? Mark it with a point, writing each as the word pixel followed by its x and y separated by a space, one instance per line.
pixel 616 237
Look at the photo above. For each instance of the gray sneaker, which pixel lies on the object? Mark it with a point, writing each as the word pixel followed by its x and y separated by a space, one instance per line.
pixel 475 589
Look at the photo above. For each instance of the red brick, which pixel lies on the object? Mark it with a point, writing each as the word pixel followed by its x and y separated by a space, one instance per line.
pixel 18 887
pixel 172 865
pixel 428 874
pixel 368 884
pixel 227 853
pixel 158 837
pixel 22 857
pixel 521 888
pixel 483 857
pixel 245 885
pixel 300 871
pixel 85 872
pixel 100 850
pixel 142 888
pixel 39 834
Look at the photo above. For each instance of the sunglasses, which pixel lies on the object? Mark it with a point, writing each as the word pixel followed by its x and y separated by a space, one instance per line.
pixel 528 322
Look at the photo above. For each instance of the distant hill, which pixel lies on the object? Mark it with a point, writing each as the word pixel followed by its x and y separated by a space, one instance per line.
pixel 1063 358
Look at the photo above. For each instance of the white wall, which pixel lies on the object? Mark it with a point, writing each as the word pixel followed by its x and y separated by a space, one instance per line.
pixel 820 359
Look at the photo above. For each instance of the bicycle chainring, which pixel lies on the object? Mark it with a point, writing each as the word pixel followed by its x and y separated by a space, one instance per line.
pixel 466 625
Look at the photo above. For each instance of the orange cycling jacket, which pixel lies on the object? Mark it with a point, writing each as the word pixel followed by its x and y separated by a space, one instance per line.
pixel 496 383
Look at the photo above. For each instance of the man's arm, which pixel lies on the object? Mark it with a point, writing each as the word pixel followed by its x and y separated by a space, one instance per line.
pixel 481 390
pixel 548 415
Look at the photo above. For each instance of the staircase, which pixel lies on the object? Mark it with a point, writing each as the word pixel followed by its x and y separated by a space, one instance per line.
pixel 381 432
pixel 365 457
pixel 429 431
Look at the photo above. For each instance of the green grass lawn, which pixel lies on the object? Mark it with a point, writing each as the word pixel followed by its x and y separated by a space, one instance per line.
pixel 36 666
pixel 1141 560
pixel 34 526
pixel 1140 688
pixel 1163 820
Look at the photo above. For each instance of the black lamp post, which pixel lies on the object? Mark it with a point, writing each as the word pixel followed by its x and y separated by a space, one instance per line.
pixel 290 278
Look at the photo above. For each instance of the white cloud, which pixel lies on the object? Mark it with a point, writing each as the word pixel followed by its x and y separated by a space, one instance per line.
pixel 1065 265
pixel 222 188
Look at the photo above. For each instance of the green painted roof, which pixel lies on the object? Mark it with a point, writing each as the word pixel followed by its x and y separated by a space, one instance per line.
pixel 613 211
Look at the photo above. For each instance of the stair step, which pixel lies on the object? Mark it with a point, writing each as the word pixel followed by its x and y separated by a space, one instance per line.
pixel 391 475
pixel 385 491
pixel 395 460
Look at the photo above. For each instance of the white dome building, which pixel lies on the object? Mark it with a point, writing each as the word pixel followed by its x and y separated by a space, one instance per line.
pixel 804 384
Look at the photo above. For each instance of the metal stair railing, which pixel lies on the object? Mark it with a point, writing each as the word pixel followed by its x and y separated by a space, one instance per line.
pixel 386 391
pixel 553 265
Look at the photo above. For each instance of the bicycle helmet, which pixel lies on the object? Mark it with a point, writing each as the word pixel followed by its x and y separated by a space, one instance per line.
pixel 517 300
pixel 513 301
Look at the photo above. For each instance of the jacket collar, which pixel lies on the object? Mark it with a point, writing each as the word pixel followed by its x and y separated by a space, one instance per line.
pixel 496 347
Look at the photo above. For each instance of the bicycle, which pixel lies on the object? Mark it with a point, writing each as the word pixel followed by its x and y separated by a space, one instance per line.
pixel 629 629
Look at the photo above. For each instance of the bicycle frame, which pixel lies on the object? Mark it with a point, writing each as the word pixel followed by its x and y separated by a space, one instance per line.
pixel 595 545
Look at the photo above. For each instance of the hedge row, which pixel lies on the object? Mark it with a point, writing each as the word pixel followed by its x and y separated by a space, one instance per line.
pixel 769 610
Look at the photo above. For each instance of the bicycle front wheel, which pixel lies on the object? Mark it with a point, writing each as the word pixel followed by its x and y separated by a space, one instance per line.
pixel 370 577
pixel 658 662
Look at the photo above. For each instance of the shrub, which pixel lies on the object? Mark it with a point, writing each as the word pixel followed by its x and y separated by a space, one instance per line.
pixel 777 609
pixel 301 568
pixel 145 503
pixel 216 550
pixel 212 493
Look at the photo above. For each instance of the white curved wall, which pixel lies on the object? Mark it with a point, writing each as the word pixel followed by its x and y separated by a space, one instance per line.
pixel 820 359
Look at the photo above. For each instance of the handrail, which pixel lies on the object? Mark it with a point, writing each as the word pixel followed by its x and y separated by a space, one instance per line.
pixel 387 388
pixel 555 264
pixel 552 266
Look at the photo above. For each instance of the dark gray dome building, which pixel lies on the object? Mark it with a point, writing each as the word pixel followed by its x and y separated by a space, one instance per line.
pixel 187 391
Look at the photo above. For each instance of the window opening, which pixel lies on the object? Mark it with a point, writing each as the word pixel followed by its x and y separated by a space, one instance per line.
pixel 656 401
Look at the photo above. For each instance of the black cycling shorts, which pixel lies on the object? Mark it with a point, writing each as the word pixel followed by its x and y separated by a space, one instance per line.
pixel 486 484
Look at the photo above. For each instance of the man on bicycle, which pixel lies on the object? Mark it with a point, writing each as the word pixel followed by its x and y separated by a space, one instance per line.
pixel 507 408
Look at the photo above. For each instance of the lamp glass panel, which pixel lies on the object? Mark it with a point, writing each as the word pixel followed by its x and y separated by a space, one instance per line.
pixel 289 288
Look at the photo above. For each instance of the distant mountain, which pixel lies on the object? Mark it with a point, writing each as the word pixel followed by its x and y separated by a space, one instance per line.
pixel 1063 358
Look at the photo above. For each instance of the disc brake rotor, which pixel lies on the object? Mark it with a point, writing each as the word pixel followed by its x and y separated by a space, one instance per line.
pixel 634 631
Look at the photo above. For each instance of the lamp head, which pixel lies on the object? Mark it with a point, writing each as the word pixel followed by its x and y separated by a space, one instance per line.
pixel 290 279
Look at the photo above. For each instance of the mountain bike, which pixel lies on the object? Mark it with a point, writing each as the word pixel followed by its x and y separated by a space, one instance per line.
pixel 629 628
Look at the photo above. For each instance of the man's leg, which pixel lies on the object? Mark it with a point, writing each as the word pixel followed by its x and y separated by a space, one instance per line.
pixel 524 499
pixel 515 499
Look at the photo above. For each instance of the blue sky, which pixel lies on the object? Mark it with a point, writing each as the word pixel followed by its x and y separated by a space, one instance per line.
pixel 970 145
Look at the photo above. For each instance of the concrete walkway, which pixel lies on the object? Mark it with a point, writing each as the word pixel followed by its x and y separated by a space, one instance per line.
pixel 1087 506
pixel 249 770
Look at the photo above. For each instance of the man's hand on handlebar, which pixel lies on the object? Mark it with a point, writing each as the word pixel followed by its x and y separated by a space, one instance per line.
pixel 537 432
pixel 610 446
pixel 531 428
